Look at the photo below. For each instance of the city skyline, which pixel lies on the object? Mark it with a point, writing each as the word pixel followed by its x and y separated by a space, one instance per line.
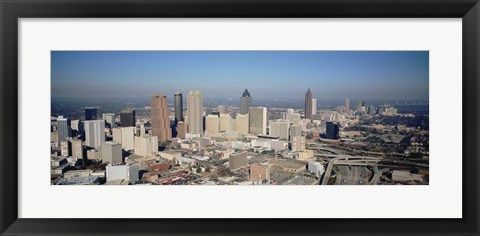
pixel 239 118
pixel 330 74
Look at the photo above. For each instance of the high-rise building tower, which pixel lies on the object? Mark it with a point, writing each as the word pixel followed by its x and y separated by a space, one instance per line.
pixel 279 129
pixel 127 118
pixel 90 113
pixel 258 120
pixel 225 122
pixel 178 106
pixel 346 106
pixel 308 104
pixel 314 106
pixel 63 128
pixel 212 123
pixel 241 124
pixel 159 117
pixel 109 119
pixel 195 112
pixel 94 133
pixel 245 102
pixel 112 153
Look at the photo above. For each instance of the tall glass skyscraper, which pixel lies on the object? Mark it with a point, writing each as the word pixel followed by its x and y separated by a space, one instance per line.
pixel 178 106
pixel 245 102
pixel 64 128
pixel 308 104
pixel 195 112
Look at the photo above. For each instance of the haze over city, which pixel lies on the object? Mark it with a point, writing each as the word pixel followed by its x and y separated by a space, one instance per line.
pixel 366 75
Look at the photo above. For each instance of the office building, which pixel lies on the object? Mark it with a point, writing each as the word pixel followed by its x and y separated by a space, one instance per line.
pixel 258 120
pixel 346 106
pixel 77 128
pixel 125 136
pixel 178 106
pixel 245 102
pixel 212 123
pixel 112 153
pixel 94 133
pixel 54 139
pixel 308 104
pixel 182 130
pixel 298 144
pixel 90 113
pixel 65 148
pixel 195 112
pixel 295 131
pixel 160 118
pixel 146 145
pixel 314 106
pixel 77 148
pixel 109 119
pixel 63 128
pixel 242 124
pixel 127 118
pixel 117 135
pixel 279 129
pixel 94 154
pixel 316 167
pixel 237 160
pixel 332 130
pixel 259 172
pixel 127 172
pixel 225 122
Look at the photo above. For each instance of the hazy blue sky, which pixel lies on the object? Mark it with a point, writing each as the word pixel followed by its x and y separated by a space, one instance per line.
pixel 266 74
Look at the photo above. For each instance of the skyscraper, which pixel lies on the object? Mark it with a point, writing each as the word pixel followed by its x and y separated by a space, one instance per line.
pixel 245 102
pixel 258 120
pixel 109 119
pixel 178 106
pixel 241 124
pixel 146 145
pixel 90 113
pixel 314 106
pixel 346 106
pixel 63 128
pixel 308 104
pixel 127 118
pixel 195 112
pixel 94 133
pixel 112 153
pixel 159 117
pixel 212 123
pixel 225 122
pixel 279 129
pixel 77 148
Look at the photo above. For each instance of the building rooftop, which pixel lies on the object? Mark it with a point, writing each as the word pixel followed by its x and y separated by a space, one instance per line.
pixel 287 164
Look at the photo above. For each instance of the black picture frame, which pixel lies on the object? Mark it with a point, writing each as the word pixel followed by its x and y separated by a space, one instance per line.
pixel 12 10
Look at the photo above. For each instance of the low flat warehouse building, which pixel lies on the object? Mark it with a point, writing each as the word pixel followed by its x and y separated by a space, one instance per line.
pixel 288 166
pixel 170 155
pixel 77 173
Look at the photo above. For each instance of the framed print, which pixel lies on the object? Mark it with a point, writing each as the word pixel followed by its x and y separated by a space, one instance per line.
pixel 257 117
